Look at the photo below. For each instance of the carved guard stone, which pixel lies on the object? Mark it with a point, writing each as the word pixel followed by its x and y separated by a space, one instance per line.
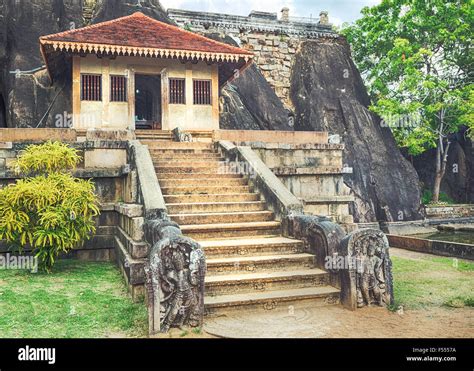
pixel 369 280
pixel 175 275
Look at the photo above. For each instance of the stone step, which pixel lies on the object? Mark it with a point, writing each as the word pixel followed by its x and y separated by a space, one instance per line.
pixel 196 176
pixel 256 246
pixel 215 207
pixel 148 137
pixel 190 172
pixel 190 162
pixel 228 182
pixel 169 156
pixel 196 198
pixel 228 230
pixel 229 217
pixel 182 152
pixel 205 190
pixel 155 138
pixel 151 131
pixel 211 167
pixel 178 145
pixel 264 282
pixel 276 299
pixel 259 264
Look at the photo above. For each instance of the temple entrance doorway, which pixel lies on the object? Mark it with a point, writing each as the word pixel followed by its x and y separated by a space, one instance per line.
pixel 148 102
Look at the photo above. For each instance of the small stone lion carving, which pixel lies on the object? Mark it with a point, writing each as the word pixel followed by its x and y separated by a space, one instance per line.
pixel 175 282
pixel 181 136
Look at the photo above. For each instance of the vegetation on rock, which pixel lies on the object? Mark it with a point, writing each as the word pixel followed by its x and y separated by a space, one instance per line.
pixel 416 58
pixel 49 211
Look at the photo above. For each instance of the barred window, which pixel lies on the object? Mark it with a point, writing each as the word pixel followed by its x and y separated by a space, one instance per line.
pixel 118 89
pixel 91 87
pixel 177 91
pixel 202 92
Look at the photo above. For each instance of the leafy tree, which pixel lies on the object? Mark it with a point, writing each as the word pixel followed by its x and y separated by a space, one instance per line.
pixel 416 58
pixel 50 211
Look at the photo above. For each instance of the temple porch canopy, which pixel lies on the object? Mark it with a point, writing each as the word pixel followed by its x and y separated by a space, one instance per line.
pixel 136 70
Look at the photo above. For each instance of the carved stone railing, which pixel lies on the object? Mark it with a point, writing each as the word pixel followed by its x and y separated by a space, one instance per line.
pixel 176 266
pixel 149 190
pixel 359 263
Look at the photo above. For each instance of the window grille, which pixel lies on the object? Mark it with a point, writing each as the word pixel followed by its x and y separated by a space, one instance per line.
pixel 202 92
pixel 118 89
pixel 177 91
pixel 91 87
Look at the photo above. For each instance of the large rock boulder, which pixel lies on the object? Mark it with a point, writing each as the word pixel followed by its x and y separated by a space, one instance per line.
pixel 27 98
pixel 250 103
pixel 329 95
pixel 106 10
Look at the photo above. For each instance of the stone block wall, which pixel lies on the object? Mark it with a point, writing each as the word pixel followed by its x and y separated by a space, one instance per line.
pixel 131 250
pixel 274 55
pixel 449 211
pixel 313 173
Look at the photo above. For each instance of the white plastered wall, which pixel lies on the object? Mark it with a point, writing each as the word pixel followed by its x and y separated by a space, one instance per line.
pixel 121 115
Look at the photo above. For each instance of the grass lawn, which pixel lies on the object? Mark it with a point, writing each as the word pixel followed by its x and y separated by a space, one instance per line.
pixel 433 282
pixel 79 300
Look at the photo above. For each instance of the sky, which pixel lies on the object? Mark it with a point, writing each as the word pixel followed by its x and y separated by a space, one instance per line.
pixel 339 10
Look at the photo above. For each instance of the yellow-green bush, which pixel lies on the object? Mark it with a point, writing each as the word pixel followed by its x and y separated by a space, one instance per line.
pixel 48 157
pixel 52 212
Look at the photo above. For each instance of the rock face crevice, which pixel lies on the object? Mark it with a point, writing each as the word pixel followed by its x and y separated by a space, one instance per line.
pixel 328 95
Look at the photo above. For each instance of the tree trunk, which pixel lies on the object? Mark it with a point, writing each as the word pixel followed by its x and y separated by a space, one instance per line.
pixel 441 163
pixel 436 187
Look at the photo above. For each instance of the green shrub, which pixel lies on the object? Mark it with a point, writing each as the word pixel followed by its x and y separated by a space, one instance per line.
pixel 460 302
pixel 427 198
pixel 46 158
pixel 52 212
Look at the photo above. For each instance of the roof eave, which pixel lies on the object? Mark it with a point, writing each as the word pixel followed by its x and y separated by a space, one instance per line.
pixel 92 48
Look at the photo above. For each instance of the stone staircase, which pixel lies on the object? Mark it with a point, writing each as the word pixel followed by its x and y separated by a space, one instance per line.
pixel 250 264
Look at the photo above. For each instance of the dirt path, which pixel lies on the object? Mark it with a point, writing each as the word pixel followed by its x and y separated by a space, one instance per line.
pixel 336 322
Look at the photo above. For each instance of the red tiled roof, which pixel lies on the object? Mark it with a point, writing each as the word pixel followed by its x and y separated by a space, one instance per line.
pixel 140 31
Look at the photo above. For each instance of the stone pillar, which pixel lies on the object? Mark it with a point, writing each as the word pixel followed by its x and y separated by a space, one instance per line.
pixel 323 18
pixel 76 93
pixel 285 14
